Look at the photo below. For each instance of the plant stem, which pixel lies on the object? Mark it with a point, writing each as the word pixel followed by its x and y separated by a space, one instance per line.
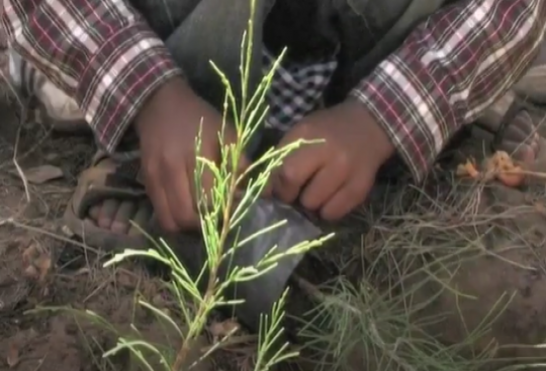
pixel 210 292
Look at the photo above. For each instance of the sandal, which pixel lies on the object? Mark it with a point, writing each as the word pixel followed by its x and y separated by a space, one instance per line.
pixel 508 126
pixel 116 188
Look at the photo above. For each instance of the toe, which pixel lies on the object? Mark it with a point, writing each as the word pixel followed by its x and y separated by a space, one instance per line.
pixel 107 213
pixel 123 217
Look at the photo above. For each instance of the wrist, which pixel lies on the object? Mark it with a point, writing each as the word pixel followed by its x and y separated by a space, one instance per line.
pixel 173 92
pixel 378 143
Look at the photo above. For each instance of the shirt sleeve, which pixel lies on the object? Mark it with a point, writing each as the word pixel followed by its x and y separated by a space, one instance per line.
pixel 102 52
pixel 448 71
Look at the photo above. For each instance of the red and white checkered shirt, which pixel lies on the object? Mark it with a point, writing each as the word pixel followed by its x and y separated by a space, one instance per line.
pixel 450 68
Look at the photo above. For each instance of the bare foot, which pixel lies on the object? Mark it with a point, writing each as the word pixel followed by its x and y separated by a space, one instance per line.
pixel 119 216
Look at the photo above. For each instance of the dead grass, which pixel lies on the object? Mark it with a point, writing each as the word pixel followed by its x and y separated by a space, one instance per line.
pixel 444 277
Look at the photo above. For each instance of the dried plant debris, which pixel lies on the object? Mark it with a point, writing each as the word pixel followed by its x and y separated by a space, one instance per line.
pixel 499 167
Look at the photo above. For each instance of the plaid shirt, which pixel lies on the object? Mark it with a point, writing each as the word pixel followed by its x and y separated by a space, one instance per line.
pixel 449 69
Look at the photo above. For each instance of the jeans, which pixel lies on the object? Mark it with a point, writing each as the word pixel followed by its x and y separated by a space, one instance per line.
pixel 198 31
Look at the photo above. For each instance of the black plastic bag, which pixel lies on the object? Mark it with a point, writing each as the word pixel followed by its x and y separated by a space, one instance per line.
pixel 259 295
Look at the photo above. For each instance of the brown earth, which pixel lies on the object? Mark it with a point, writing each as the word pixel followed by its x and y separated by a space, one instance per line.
pixel 43 266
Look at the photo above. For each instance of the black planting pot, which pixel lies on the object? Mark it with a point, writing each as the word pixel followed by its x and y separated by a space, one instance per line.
pixel 260 294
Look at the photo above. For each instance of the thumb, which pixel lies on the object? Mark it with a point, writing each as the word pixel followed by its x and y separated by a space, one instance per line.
pixel 242 165
pixel 268 190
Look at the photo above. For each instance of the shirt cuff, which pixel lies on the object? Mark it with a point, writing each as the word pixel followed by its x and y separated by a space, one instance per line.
pixel 121 75
pixel 398 95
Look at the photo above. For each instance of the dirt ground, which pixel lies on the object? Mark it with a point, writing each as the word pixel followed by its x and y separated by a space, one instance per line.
pixel 42 266
pixel 501 233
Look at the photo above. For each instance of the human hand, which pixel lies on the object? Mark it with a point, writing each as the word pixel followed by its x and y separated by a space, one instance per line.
pixel 167 127
pixel 335 176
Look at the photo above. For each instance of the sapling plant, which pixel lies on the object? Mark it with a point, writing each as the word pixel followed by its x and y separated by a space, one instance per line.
pixel 220 213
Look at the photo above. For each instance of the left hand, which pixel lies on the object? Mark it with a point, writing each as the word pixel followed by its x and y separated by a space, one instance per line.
pixel 334 176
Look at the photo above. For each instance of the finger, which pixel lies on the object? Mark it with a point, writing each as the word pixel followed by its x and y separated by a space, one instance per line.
pixel 323 186
pixel 347 198
pixel 156 193
pixel 178 191
pixel 141 217
pixel 296 170
pixel 242 166
pixel 202 195
pixel 161 206
pixel 267 192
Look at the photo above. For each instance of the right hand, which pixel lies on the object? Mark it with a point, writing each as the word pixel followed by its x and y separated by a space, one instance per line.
pixel 168 125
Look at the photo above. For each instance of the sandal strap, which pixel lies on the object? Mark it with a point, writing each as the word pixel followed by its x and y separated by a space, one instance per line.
pixel 515 108
pixel 130 170
pixel 105 179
